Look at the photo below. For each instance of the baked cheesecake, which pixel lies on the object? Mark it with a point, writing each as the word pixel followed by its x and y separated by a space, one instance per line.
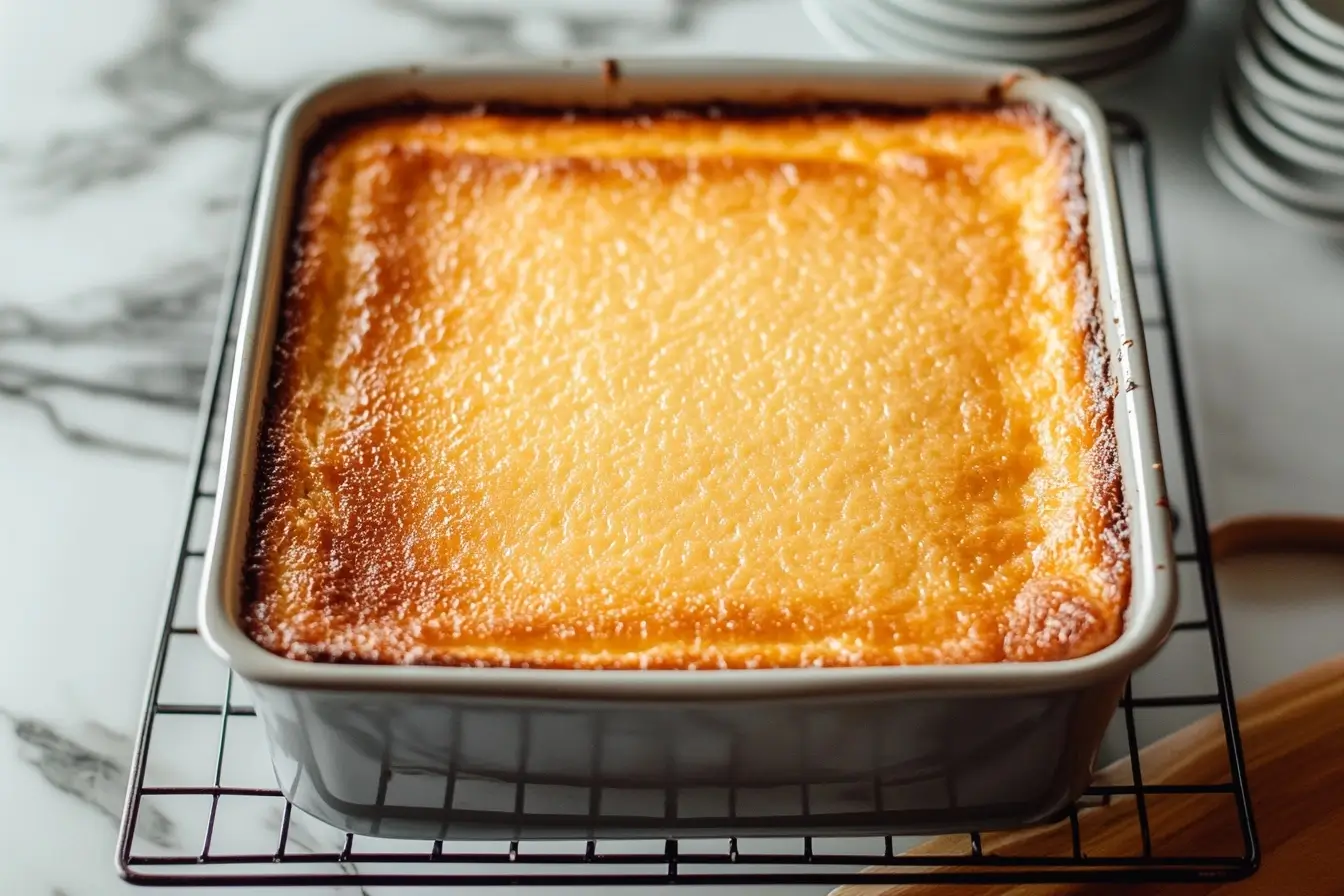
pixel 689 389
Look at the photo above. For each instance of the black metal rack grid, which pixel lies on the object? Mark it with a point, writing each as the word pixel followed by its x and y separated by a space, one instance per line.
pixel 202 808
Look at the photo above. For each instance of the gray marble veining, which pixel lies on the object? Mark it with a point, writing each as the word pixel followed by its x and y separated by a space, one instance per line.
pixel 92 769
pixel 130 123
pixel 157 328
pixel 167 94
pixel 137 344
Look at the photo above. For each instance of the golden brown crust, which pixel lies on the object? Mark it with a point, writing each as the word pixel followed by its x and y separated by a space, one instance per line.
pixel 339 571
pixel 1038 630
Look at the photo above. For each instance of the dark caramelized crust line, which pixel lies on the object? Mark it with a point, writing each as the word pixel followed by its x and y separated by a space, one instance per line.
pixel 1049 621
pixel 334 132
pixel 373 500
pixel 1107 482
pixel 277 483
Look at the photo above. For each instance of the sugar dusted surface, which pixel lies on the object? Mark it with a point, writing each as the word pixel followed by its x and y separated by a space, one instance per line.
pixel 687 393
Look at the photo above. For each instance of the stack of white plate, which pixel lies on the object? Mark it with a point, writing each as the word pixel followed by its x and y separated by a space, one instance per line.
pixel 1079 39
pixel 1276 139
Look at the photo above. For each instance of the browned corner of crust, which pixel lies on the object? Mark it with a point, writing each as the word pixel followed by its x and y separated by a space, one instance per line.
pixel 1050 621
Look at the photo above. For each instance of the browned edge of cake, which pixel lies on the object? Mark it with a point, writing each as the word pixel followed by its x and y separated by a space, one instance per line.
pixel 1107 483
pixel 1084 636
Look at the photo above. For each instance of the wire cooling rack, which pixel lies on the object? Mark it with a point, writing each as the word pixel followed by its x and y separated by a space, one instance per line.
pixel 202 806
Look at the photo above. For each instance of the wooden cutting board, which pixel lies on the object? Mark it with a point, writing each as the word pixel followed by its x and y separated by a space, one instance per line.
pixel 1293 738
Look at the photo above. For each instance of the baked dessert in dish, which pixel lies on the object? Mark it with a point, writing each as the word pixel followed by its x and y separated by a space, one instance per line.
pixel 689 389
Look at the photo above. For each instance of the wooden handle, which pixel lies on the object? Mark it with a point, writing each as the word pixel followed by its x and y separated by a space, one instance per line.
pixel 1293 737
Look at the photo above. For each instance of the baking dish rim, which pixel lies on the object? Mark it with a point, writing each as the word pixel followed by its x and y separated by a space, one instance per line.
pixel 1151 604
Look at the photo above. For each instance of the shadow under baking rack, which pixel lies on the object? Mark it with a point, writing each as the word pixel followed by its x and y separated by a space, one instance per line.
pixel 202 807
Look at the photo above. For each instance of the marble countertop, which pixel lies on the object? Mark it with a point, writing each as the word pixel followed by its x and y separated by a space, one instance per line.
pixel 128 126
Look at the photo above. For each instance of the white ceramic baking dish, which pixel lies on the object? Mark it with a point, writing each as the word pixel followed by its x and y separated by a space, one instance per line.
pixel 424 752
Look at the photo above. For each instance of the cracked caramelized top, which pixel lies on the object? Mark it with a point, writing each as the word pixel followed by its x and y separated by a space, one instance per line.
pixel 689 391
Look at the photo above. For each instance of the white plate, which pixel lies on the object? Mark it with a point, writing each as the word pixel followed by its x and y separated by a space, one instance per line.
pixel 1325 80
pixel 1134 36
pixel 827 16
pixel 1245 190
pixel 1299 38
pixel 1319 133
pixel 849 32
pixel 1013 7
pixel 1313 192
pixel 1323 17
pixel 1291 147
pixel 1265 81
pixel 1021 20
pixel 861 40
pixel 839 24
